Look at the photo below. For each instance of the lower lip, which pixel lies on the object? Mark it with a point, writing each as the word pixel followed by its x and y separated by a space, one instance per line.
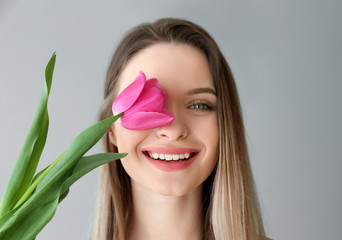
pixel 171 166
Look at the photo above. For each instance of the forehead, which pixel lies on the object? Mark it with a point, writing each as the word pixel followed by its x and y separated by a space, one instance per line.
pixel 174 65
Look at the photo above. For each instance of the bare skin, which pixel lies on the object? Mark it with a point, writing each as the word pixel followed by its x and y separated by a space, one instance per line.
pixel 166 217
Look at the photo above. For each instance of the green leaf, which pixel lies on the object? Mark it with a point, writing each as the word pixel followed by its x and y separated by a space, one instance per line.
pixel 28 159
pixel 62 171
pixel 85 165
pixel 45 207
pixel 78 147
pixel 28 205
pixel 35 182
pixel 33 221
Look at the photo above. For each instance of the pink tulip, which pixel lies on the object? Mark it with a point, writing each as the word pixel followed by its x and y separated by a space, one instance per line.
pixel 143 105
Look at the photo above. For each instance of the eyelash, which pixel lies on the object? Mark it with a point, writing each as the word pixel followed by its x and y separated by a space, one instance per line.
pixel 200 107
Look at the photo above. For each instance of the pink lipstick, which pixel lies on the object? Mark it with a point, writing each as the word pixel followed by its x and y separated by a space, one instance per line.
pixel 170 159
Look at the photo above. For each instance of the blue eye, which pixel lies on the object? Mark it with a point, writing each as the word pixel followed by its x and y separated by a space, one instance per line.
pixel 200 106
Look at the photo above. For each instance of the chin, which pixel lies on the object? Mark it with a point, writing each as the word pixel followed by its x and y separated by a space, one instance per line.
pixel 175 188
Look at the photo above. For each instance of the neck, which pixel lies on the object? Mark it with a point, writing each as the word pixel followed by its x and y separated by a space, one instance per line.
pixel 166 217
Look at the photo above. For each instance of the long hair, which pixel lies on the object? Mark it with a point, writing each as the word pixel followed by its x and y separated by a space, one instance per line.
pixel 231 207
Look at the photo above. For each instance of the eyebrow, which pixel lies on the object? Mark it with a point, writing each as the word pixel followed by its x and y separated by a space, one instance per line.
pixel 200 90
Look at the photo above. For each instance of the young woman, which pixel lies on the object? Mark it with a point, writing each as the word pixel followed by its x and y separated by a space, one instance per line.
pixel 207 191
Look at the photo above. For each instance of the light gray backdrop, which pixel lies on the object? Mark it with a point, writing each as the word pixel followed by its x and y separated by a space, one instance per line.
pixel 286 57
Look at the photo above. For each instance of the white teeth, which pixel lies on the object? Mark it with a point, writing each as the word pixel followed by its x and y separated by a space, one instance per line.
pixel 169 157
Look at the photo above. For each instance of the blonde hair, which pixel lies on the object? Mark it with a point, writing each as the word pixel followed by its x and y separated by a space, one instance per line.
pixel 231 207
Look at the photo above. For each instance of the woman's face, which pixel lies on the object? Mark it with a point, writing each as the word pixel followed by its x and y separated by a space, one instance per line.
pixel 184 72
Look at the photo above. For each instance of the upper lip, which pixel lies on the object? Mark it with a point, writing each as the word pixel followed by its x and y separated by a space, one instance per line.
pixel 170 150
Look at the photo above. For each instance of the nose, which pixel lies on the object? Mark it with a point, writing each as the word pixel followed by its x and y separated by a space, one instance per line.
pixel 173 131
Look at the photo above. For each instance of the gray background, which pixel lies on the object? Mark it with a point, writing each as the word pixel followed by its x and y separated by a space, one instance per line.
pixel 286 57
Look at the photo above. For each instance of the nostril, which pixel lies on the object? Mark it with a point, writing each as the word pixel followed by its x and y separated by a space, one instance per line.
pixel 163 135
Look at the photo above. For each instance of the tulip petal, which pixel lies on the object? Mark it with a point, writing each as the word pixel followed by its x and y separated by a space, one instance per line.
pixel 129 95
pixel 152 82
pixel 167 112
pixel 149 101
pixel 143 105
pixel 145 120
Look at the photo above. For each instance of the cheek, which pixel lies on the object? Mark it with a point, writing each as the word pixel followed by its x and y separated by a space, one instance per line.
pixel 127 140
pixel 211 136
pixel 134 165
pixel 214 136
pixel 206 128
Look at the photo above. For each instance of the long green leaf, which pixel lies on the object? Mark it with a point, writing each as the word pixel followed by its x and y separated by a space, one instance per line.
pixel 85 165
pixel 27 162
pixel 57 174
pixel 35 182
pixel 33 221
pixel 42 212
pixel 78 147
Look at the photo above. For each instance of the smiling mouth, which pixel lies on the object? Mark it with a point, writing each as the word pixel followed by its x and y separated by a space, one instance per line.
pixel 170 157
